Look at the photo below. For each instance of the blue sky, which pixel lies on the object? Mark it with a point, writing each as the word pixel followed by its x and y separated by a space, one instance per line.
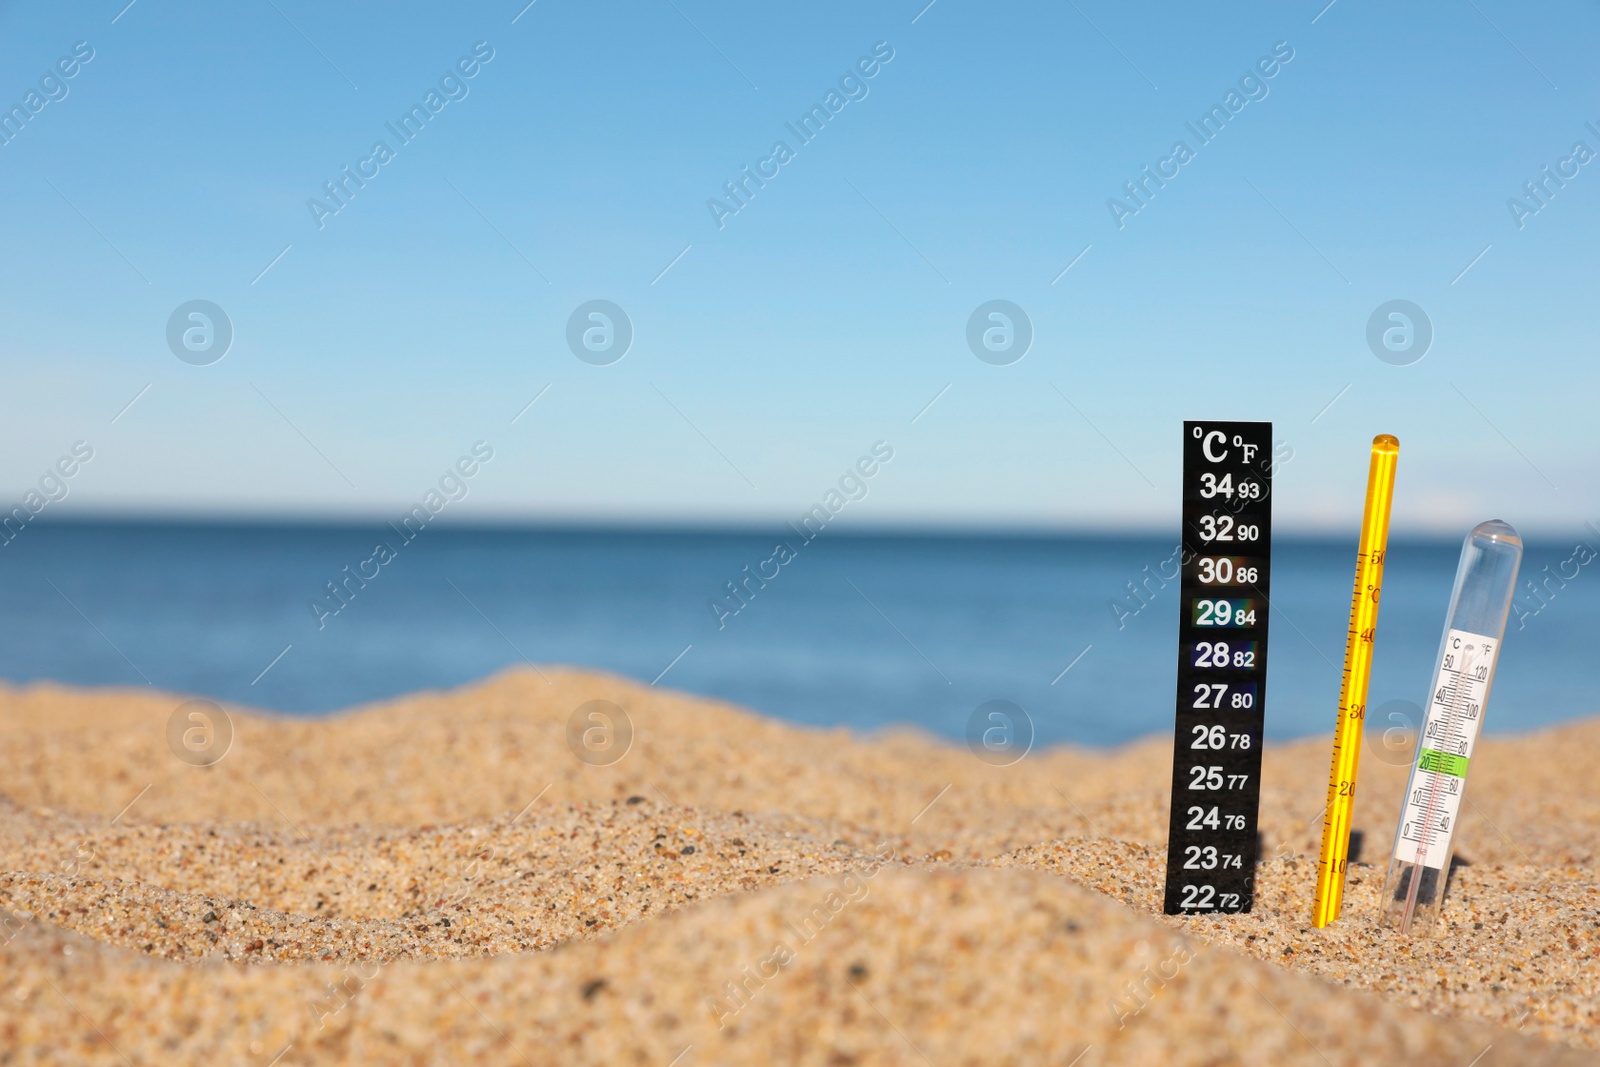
pixel 771 352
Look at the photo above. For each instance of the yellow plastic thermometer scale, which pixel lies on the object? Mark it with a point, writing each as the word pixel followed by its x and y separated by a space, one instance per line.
pixel 1357 673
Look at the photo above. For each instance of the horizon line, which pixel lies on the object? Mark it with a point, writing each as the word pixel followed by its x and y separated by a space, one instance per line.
pixel 930 529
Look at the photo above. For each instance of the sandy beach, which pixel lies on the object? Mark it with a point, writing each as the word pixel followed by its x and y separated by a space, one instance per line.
pixel 439 879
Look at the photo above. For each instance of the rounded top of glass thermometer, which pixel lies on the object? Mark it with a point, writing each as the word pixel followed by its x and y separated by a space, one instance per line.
pixel 1495 532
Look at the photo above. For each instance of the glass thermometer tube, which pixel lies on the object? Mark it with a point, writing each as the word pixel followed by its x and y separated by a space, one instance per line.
pixel 1339 812
pixel 1419 867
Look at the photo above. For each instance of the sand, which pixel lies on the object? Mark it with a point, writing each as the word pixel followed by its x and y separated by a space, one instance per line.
pixel 441 880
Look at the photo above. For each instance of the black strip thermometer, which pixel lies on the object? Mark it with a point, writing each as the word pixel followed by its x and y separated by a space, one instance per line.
pixel 1222 666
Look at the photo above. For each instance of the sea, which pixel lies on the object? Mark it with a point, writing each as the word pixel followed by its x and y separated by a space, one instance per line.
pixel 859 630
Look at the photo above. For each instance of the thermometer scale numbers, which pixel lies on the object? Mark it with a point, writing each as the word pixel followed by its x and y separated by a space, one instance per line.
pixel 1212 838
pixel 1455 709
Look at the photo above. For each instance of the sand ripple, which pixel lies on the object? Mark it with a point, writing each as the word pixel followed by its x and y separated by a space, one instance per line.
pixel 439 880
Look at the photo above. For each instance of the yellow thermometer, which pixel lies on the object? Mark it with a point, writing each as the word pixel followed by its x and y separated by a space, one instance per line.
pixel 1337 816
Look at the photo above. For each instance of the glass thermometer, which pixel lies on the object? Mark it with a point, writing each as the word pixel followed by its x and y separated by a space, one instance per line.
pixel 1413 890
pixel 1339 812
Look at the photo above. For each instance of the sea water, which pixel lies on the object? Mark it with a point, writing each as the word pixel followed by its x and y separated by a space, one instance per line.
pixel 857 630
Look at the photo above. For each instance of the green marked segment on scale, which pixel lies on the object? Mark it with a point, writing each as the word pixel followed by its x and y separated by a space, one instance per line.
pixel 1442 763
